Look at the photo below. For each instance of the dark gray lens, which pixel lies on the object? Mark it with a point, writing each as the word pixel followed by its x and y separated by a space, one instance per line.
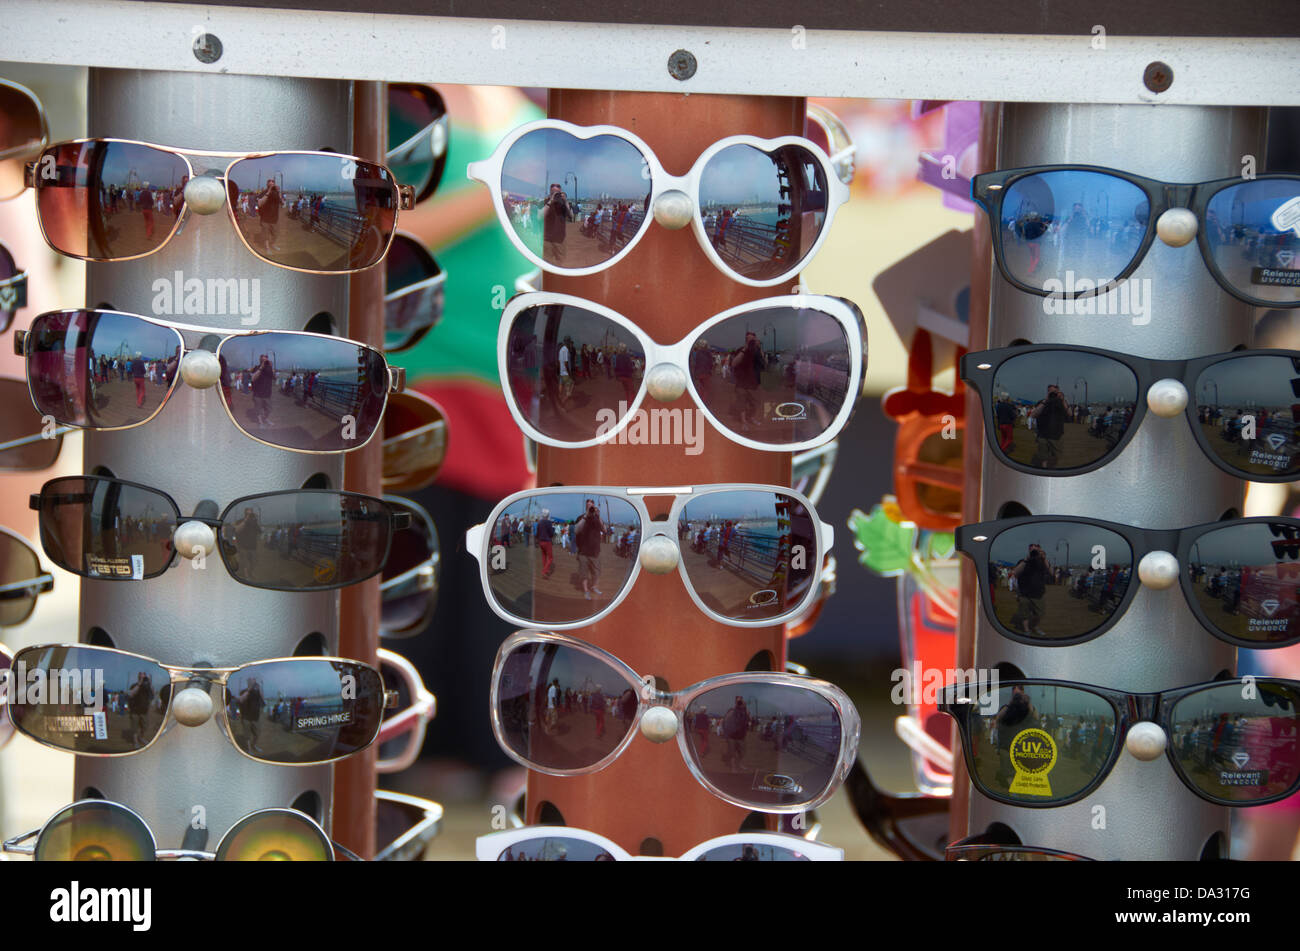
pixel 1246 409
pixel 554 848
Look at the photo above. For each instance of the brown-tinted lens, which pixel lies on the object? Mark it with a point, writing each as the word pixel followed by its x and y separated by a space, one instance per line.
pixel 304 711
pixel 938 451
pixel 305 392
pixel 96 831
pixel 21 135
pixel 314 211
pixel 103 528
pixel 275 835
pixel 21 431
pixel 415 442
pixel 305 540
pixel 109 201
pixel 19 568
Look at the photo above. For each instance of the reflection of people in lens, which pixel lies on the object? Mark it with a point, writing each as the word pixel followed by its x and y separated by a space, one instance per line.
pixel 748 853
pixel 588 532
pixel 263 377
pixel 1015 715
pixel 268 213
pixel 1049 426
pixel 1031 574
pixel 597 702
pixel 556 215
pixel 544 533
pixel 248 533
pixel 747 365
pixel 250 711
pixel 700 724
pixel 138 698
pixel 735 725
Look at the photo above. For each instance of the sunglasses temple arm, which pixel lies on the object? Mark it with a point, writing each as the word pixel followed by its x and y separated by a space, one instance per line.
pixel 396 379
pixel 18 590
pixel 348 853
pixel 37 437
pixel 474 541
pixel 828 537
pixel 14 845
pixel 916 739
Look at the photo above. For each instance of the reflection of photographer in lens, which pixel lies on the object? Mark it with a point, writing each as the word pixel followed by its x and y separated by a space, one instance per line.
pixel 1049 427
pixel 1031 574
pixel 555 218
pixel 250 711
pixel 588 532
pixel 747 365
pixel 138 698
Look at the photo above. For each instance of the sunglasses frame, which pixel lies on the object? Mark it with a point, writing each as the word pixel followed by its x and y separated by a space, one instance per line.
pixel 844 312
pixel 988 190
pixel 399 521
pixel 422 578
pixel 437 279
pixel 489 847
pixel 424 818
pixel 438 146
pixel 823 459
pixel 414 719
pixel 16 846
pixel 185 676
pixel 31 588
pixel 478 541
pixel 415 441
pixel 1129 709
pixel 648 697
pixel 976 542
pixel 18 152
pixel 488 172
pixel 882 813
pixel 23 346
pixel 15 286
pixel 978 848
pixel 403 196
pixel 979 369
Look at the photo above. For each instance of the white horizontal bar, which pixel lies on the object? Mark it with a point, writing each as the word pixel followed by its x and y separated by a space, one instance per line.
pixel 130 35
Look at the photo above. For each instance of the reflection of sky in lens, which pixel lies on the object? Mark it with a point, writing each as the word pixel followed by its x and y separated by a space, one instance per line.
pixel 1053 195
pixel 741 506
pixel 1060 541
pixel 1026 378
pixel 605 167
pixel 1263 382
pixel 293 352
pixel 1053 701
pixel 1250 544
pixel 740 175
pixel 135 165
pixel 567 508
pixel 1251 205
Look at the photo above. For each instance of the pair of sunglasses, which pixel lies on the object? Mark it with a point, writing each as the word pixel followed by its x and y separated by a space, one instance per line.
pixel 290 711
pixel 760 208
pixel 1241 577
pixel 772 742
pixel 1053 742
pixel 13 287
pixel 418 137
pixel 1241 407
pixel 295 540
pixel 781 374
pixel 408 590
pixel 415 442
pixel 564 844
pixel 26 442
pixel 566 556
pixel 401 735
pixel 305 392
pixel 103 199
pixel 97 830
pixel 415 289
pixel 22 579
pixel 1072 231
pixel 24 131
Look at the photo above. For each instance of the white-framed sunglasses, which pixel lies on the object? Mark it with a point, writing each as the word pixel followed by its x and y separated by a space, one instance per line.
pixel 567 844
pixel 766 741
pixel 760 208
pixel 749 555
pixel 402 734
pixel 781 374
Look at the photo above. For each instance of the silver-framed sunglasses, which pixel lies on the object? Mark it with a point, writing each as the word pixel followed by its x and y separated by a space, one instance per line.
pixel 771 742
pixel 564 557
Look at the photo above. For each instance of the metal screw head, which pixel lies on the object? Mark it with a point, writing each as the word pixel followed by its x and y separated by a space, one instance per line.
pixel 1158 76
pixel 682 65
pixel 207 48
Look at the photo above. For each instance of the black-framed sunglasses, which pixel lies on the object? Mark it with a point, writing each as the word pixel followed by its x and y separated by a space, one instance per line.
pixel 419 136
pixel 1061 410
pixel 1057 580
pixel 913 826
pixel 1045 743
pixel 293 540
pixel 1071 231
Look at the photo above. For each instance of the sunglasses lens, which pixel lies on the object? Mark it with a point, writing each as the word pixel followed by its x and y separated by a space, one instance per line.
pixel 1061 228
pixel 275 835
pixel 21 136
pixel 1253 231
pixel 21 421
pixel 415 442
pixel 96 831
pixel 565 225
pixel 100 370
pixel 752 852
pixel 305 541
pixel 314 212
pixel 18 566
pixel 415 111
pixel 407 604
pixel 1245 578
pixel 781 385
pixel 305 392
pixel 1239 743
pixel 554 848
pixel 9 302
pixel 936 450
pixel 570 565
pixel 749 555
pixel 1057 580
pixel 1246 408
pixel 409 316
pixel 573 374
pixel 763 211
pixel 764 744
pixel 1062 410
pixel 304 711
pixel 1042 743
pixel 102 528
pixel 109 200
pixel 88 700
pixel 561 709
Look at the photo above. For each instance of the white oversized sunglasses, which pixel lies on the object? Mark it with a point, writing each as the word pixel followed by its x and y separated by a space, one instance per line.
pixel 566 844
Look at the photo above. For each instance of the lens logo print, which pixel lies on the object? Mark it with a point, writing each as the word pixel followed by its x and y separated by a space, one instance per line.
pixel 1032 755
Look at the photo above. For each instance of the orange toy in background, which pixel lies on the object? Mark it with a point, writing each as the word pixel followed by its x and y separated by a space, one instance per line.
pixel 928 448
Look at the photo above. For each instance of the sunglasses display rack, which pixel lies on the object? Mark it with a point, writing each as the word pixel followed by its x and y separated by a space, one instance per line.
pixel 1161 480
pixel 647 801
pixel 195 614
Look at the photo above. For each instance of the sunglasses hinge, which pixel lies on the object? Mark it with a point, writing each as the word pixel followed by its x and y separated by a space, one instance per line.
pixel 20 338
